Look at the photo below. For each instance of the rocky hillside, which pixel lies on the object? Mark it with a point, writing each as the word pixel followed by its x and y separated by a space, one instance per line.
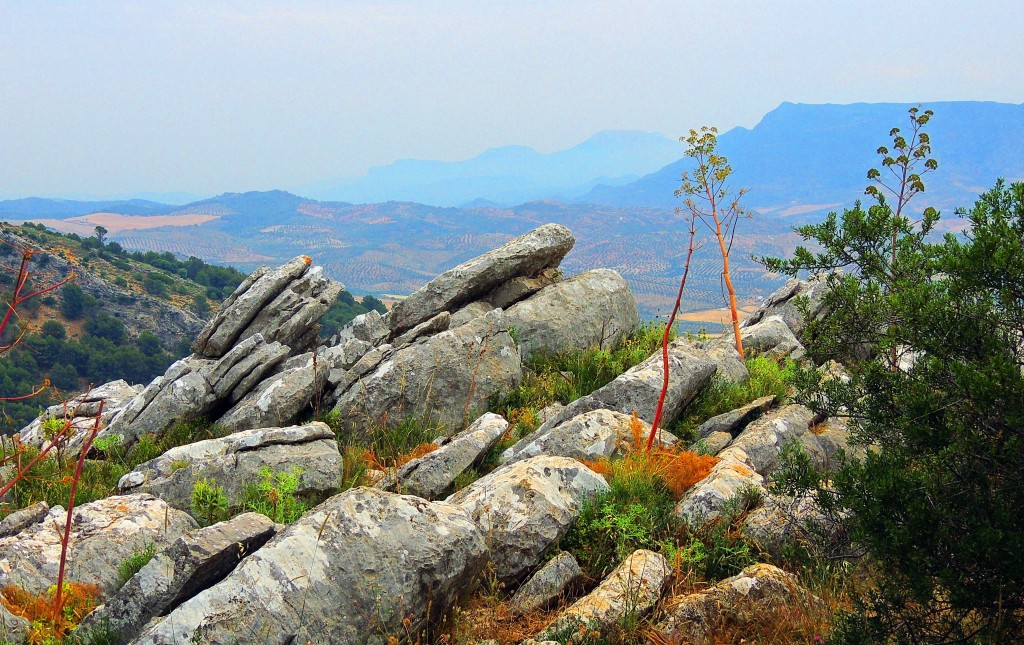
pixel 457 470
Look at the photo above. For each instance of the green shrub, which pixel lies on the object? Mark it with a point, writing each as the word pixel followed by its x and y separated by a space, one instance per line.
pixel 715 549
pixel 274 495
pixel 133 563
pixel 209 502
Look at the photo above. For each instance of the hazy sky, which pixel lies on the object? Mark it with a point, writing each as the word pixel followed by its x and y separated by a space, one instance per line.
pixel 114 98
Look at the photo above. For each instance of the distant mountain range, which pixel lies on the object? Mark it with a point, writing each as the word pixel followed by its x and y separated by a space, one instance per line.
pixel 510 175
pixel 799 161
pixel 810 158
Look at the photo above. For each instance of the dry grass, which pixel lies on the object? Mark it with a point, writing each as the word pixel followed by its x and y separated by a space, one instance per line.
pixel 46 628
pixel 485 616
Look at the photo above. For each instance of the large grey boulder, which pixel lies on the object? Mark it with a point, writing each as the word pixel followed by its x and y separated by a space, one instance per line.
pixel 237 460
pixel 526 255
pixel 440 377
pixel 81 412
pixel 631 590
pixel 19 520
pixel 637 389
pixel 522 287
pixel 195 561
pixel 592 309
pixel 785 521
pixel 772 336
pixel 370 328
pixel 434 473
pixel 103 534
pixel 363 565
pixel 524 509
pixel 763 439
pixel 784 303
pixel 548 584
pixel 732 477
pixel 282 304
pixel 590 436
pixel 759 590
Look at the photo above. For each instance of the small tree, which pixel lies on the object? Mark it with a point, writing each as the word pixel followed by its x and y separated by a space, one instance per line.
pixel 101 234
pixel 710 201
pixel 931 337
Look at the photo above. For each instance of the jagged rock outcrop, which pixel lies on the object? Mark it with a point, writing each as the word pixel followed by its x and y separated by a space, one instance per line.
pixel 632 589
pixel 524 509
pixel 103 534
pixel 548 584
pixel 282 304
pixel 236 460
pixel 195 561
pixel 743 599
pixel 592 309
pixel 783 303
pixel 784 521
pixel 434 473
pixel 362 564
pixel 20 520
pixel 81 411
pixel 526 255
pixel 590 436
pixel 442 376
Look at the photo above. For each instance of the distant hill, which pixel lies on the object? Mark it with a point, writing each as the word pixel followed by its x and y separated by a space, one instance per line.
pixel 510 175
pixel 800 158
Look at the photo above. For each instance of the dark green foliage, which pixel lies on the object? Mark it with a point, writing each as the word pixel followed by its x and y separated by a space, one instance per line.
pixel 344 309
pixel 715 549
pixel 937 503
pixel 133 563
pixel 370 303
pixel 72 302
pixel 105 326
pixel 55 329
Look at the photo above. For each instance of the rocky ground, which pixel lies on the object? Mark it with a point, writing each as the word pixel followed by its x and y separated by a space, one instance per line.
pixel 404 558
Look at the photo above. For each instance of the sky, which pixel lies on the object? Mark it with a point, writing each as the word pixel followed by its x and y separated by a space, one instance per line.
pixel 104 98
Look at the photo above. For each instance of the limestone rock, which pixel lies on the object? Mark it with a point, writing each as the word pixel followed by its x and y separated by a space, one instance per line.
pixel 434 473
pixel 772 336
pixel 524 509
pixel 521 287
pixel 782 521
pixel 727 361
pixel 282 304
pixel 103 534
pixel 363 563
pixel 468 312
pixel 236 460
pixel 592 309
pixel 19 520
pixel 195 561
pixel 369 328
pixel 727 479
pixel 526 255
pixel 13 629
pixel 712 444
pixel 81 411
pixel 639 387
pixel 762 440
pixel 589 436
pixel 743 599
pixel 734 421
pixel 633 588
pixel 438 323
pixel 549 583
pixel 436 376
pixel 784 301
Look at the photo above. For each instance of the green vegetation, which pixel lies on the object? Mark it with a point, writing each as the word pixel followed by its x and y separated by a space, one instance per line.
pixel 134 563
pixel 274 495
pixel 49 480
pixel 767 377
pixel 209 502
pixel 936 501
pixel 344 309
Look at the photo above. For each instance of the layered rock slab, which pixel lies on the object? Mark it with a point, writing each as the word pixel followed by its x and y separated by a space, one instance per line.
pixel 104 534
pixel 195 561
pixel 440 377
pixel 591 309
pixel 526 255
pixel 362 564
pixel 524 509
pixel 549 583
pixel 633 588
pixel 236 460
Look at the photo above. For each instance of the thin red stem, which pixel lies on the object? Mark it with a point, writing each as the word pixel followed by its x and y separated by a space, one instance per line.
pixel 664 339
pixel 58 597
